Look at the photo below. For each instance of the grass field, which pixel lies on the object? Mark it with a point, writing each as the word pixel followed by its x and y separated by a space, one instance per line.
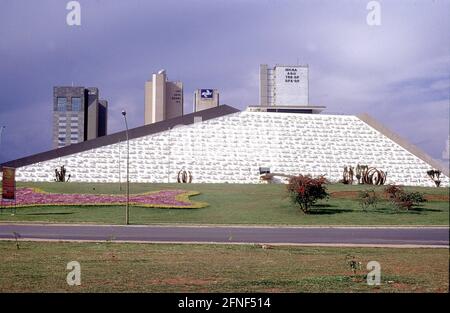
pixel 114 267
pixel 239 204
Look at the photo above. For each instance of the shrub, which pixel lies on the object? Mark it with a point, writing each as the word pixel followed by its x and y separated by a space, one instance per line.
pixel 402 199
pixel 353 263
pixel 305 190
pixel 392 191
pixel 368 198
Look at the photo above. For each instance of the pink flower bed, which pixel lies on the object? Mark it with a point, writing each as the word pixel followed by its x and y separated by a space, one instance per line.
pixel 164 198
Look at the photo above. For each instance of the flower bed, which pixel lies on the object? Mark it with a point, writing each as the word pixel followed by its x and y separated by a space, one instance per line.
pixel 26 197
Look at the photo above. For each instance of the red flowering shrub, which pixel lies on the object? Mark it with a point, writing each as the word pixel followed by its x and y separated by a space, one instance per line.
pixel 305 190
pixel 402 199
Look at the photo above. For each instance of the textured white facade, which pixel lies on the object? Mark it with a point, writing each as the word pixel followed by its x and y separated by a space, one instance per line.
pixel 231 149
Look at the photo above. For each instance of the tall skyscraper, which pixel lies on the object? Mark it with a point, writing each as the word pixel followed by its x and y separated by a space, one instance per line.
pixel 205 99
pixel 78 115
pixel 283 85
pixel 163 99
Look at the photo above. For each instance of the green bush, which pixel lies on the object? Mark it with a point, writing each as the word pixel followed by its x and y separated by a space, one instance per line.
pixel 402 199
pixel 305 190
pixel 368 198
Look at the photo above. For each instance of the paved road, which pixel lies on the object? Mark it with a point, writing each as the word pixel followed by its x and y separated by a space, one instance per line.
pixel 436 236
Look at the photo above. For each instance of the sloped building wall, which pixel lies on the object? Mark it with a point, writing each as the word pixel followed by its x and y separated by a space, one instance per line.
pixel 231 149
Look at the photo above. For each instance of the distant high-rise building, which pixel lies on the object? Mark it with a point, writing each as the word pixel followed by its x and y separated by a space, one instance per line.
pixel 78 115
pixel 163 99
pixel 205 99
pixel 284 88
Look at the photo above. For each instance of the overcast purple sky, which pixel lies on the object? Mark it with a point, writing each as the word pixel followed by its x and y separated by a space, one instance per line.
pixel 399 72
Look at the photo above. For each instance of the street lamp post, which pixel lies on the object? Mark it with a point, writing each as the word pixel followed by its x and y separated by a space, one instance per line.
pixel 127 209
pixel 120 173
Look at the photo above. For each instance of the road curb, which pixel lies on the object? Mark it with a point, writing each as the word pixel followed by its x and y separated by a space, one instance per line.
pixel 269 245
pixel 234 225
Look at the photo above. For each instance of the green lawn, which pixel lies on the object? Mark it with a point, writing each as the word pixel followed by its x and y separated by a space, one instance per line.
pixel 238 204
pixel 114 267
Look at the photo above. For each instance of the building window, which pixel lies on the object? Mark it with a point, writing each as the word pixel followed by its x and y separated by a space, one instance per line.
pixel 76 104
pixel 62 104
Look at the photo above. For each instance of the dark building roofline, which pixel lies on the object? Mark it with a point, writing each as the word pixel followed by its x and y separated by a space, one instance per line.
pixel 121 136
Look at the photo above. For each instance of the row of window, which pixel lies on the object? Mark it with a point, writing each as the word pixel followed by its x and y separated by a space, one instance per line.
pixel 63 133
pixel 62 104
pixel 64 124
pixel 63 139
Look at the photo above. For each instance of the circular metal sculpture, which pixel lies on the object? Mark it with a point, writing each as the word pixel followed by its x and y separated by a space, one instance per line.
pixel 373 176
pixel 184 177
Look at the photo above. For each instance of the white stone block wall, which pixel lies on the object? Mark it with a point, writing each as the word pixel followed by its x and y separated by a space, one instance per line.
pixel 231 149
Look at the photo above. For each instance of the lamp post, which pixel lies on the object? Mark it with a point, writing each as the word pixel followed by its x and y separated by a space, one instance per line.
pixel 120 173
pixel 127 210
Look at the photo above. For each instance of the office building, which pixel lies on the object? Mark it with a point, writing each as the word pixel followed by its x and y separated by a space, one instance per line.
pixel 205 99
pixel 163 99
pixel 284 88
pixel 78 115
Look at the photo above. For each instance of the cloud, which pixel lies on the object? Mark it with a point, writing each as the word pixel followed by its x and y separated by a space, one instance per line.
pixel 398 72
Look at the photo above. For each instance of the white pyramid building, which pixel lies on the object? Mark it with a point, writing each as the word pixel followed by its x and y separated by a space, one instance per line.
pixel 229 146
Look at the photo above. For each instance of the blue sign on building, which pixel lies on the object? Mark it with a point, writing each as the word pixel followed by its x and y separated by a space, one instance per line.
pixel 206 93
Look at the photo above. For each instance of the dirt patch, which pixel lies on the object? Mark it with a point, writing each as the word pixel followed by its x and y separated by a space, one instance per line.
pixel 437 197
pixel 402 287
pixel 344 194
pixel 182 281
